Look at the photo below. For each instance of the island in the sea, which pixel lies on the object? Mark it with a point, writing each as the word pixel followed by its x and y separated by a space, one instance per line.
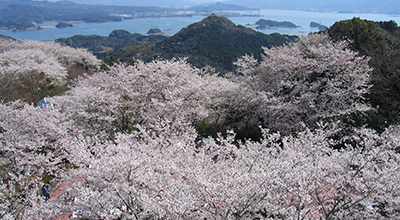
pixel 64 25
pixel 320 26
pixel 22 15
pixel 267 24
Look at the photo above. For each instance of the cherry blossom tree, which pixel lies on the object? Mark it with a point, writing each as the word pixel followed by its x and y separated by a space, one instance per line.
pixel 163 173
pixel 19 56
pixel 159 171
pixel 116 100
pixel 125 140
pixel 32 70
pixel 31 140
pixel 307 81
pixel 16 61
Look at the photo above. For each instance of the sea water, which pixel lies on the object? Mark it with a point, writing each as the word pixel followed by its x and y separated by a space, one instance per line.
pixel 171 25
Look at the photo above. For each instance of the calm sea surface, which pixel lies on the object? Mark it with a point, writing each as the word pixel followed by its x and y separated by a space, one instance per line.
pixel 172 25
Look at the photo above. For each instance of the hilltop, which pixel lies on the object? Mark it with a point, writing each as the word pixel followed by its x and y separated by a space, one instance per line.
pixel 214 41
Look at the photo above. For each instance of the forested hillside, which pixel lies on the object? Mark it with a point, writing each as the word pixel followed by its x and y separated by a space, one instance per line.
pixel 215 41
pixel 381 42
pixel 117 39
pixel 286 136
pixel 21 15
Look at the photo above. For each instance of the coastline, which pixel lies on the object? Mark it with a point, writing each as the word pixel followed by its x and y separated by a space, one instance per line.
pixel 39 27
pixel 173 25
pixel 44 27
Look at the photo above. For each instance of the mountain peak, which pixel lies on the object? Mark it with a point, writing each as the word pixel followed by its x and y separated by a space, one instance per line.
pixel 216 41
pixel 209 26
pixel 214 20
pixel 218 19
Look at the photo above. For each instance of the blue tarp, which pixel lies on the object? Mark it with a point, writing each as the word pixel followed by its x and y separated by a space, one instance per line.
pixel 44 103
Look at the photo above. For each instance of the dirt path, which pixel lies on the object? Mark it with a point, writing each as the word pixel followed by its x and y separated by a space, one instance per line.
pixel 59 190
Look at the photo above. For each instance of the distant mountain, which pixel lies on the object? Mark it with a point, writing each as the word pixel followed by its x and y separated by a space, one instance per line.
pixel 63 6
pixel 218 6
pixel 214 41
pixel 58 4
pixel 387 6
pixel 160 3
pixel 22 14
pixel 21 17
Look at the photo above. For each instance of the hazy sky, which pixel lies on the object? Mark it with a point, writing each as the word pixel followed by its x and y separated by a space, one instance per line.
pixel 168 3
pixel 386 6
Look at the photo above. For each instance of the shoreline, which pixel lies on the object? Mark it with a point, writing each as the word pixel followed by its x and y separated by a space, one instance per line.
pixel 39 27
pixel 301 18
pixel 228 14
pixel 46 26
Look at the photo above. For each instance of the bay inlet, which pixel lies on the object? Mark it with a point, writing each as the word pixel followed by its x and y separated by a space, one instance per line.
pixel 171 25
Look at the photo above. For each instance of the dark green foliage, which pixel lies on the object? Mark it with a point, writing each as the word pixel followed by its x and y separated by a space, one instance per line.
pixel 119 34
pixel 262 27
pixel 21 17
pixel 46 178
pixel 116 40
pixel 390 26
pixel 29 87
pixel 154 31
pixel 271 23
pixel 22 14
pixel 381 42
pixel 93 43
pixel 76 7
pixel 215 41
pixel 63 25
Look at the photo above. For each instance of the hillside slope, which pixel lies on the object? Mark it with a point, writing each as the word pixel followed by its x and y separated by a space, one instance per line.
pixel 381 42
pixel 116 39
pixel 214 41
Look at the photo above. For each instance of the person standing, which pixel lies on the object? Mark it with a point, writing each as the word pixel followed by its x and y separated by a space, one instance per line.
pixel 46 192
